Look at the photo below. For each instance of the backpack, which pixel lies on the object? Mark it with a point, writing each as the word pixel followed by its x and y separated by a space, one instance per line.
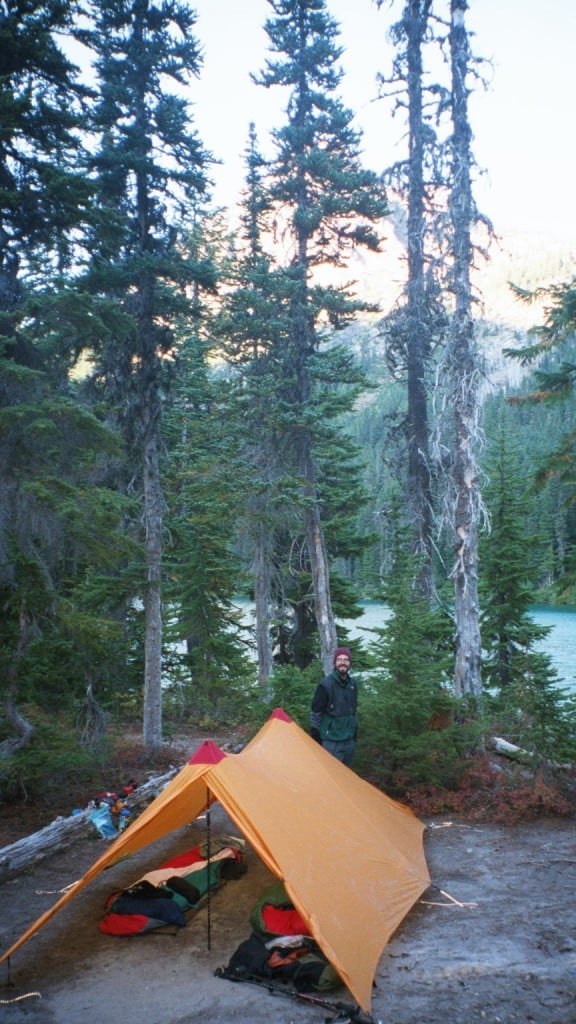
pixel 302 965
pixel 280 947
pixel 250 960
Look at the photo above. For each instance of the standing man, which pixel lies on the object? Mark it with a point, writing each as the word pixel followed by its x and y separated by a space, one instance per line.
pixel 334 708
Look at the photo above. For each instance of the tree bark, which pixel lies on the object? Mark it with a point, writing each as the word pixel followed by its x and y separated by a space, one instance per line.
pixel 418 333
pixel 319 569
pixel 153 516
pixel 464 373
pixel 262 598
pixel 23 729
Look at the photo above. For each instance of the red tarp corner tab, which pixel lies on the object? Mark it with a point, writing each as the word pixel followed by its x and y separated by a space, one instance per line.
pixel 281 714
pixel 208 753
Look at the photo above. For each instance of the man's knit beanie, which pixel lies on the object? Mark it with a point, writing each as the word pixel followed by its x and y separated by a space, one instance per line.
pixel 342 650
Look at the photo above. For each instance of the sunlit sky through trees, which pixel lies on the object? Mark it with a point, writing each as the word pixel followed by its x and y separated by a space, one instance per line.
pixel 523 124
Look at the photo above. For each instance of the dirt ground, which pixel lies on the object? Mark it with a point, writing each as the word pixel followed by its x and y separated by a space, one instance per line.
pixel 499 948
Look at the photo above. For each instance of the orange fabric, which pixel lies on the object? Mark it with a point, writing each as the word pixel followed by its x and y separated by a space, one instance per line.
pixel 352 897
pixel 351 894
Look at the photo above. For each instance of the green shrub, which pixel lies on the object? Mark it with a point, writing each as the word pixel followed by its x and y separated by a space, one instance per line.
pixel 53 763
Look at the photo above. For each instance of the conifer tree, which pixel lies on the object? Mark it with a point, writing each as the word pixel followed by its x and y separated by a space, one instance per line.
pixel 325 203
pixel 43 191
pixel 255 324
pixel 51 533
pixel 150 170
pixel 408 711
pixel 413 328
pixel 525 697
pixel 462 365
pixel 203 571
pixel 551 350
pixel 250 325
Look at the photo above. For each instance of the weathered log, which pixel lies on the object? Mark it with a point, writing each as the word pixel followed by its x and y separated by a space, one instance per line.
pixel 61 832
pixel 510 750
pixel 526 756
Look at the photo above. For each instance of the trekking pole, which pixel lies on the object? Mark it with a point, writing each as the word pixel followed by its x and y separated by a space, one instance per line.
pixel 209 903
pixel 345 1012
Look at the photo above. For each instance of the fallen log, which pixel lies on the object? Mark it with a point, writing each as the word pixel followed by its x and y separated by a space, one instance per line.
pixel 515 753
pixel 510 750
pixel 60 833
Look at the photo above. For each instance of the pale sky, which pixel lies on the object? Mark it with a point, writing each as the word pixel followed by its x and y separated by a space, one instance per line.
pixel 523 125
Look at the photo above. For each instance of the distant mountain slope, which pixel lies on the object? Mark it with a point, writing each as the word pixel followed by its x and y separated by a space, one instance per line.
pixel 528 260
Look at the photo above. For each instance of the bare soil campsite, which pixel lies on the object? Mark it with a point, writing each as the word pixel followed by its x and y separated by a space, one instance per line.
pixel 492 941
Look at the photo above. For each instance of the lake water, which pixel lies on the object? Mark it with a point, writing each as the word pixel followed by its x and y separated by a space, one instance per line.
pixel 560 644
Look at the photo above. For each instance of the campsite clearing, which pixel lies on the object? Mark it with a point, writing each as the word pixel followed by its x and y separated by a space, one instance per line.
pixel 498 948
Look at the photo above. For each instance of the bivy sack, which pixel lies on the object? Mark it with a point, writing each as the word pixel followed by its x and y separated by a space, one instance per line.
pixel 163 897
pixel 281 947
pixel 274 914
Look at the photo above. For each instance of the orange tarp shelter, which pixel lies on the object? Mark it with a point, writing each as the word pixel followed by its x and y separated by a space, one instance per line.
pixel 351 859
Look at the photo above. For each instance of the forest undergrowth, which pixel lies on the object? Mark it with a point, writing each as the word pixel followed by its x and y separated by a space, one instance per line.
pixel 489 788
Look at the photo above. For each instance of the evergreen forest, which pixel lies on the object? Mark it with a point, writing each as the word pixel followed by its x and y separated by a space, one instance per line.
pixel 202 406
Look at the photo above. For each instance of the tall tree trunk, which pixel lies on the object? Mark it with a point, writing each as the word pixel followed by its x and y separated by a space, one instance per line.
pixel 321 585
pixel 153 518
pixel 418 335
pixel 20 725
pixel 305 343
pixel 464 379
pixel 319 567
pixel 263 603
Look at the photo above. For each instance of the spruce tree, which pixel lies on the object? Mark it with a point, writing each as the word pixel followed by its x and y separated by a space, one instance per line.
pixel 255 324
pixel 59 517
pixel 551 350
pixel 250 325
pixel 326 204
pixel 408 730
pixel 204 572
pixel 43 189
pixel 150 171
pixel 524 694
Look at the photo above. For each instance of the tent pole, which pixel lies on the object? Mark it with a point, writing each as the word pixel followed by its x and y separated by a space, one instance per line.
pixel 209 890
